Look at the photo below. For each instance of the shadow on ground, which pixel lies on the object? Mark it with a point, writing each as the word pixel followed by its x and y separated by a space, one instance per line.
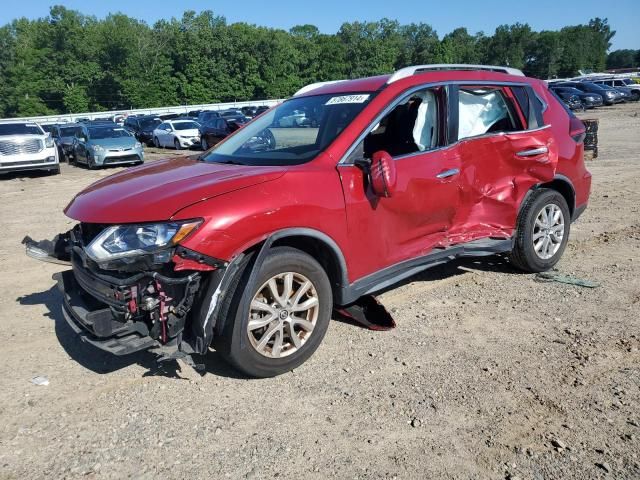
pixel 102 362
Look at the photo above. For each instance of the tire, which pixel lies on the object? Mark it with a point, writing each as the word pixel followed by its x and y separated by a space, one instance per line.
pixel 240 346
pixel 90 164
pixel 203 144
pixel 176 144
pixel 156 142
pixel 524 255
pixel 55 171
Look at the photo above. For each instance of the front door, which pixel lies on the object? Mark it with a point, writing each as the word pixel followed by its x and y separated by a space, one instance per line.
pixel 416 218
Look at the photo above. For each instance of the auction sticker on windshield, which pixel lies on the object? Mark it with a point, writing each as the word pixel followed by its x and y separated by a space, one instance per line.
pixel 347 99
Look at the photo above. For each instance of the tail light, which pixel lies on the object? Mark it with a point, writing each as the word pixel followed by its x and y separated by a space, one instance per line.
pixel 577 129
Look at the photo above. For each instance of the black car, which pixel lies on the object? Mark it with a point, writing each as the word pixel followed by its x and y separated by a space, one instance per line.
pixel 142 127
pixel 207 115
pixel 63 134
pixel 609 97
pixel 218 129
pixel 249 111
pixel 261 109
pixel 589 100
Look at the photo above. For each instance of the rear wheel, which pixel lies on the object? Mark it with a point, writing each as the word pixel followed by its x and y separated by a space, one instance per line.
pixel 542 232
pixel 287 315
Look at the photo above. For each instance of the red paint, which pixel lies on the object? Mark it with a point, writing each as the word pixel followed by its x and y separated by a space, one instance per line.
pixel 242 205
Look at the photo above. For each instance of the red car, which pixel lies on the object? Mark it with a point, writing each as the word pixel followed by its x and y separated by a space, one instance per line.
pixel 338 192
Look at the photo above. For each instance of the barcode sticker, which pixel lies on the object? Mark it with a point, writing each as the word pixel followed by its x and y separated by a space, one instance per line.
pixel 347 99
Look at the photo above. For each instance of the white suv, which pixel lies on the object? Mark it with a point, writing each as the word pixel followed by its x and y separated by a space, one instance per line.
pixel 25 146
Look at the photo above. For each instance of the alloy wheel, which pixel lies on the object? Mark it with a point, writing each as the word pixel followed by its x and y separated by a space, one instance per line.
pixel 548 231
pixel 283 315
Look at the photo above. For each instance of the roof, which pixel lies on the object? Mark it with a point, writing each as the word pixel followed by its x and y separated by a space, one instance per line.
pixel 411 75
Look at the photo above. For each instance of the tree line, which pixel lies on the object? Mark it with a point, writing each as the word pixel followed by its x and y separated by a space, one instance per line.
pixel 69 62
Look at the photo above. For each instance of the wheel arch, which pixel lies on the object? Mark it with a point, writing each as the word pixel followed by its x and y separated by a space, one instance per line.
pixel 560 184
pixel 316 244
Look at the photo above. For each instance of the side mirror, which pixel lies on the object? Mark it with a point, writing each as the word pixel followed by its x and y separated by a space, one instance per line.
pixel 383 174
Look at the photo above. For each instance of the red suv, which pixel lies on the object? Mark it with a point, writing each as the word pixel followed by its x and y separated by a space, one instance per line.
pixel 338 192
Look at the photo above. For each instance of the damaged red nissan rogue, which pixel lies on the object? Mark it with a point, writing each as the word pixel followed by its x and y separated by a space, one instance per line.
pixel 343 190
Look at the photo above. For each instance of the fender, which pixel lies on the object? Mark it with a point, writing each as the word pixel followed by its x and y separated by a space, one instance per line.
pixel 558 178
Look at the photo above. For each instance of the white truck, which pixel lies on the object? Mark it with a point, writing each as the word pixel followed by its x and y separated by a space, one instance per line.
pixel 26 146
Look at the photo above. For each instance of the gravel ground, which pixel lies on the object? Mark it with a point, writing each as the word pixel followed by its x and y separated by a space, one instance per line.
pixel 489 373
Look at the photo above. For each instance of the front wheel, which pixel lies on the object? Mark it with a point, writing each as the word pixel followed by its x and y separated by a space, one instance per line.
pixel 542 231
pixel 156 142
pixel 204 144
pixel 281 322
pixel 176 143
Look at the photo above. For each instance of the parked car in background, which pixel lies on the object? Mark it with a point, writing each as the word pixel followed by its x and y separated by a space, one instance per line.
pixel 99 144
pixel 205 116
pixel 64 135
pixel 609 97
pixel 622 83
pixel 231 112
pixel 26 146
pixel 249 111
pixel 142 127
pixel 217 129
pixel 261 109
pixel 249 247
pixel 589 100
pixel 168 116
pixel 625 93
pixel 177 134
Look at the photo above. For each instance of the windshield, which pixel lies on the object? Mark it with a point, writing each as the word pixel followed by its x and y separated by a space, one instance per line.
pixel 292 133
pixel 67 131
pixel 185 126
pixel 20 129
pixel 107 132
pixel 149 123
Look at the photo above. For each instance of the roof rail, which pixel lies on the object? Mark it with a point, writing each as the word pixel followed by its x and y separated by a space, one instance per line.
pixel 409 71
pixel 313 86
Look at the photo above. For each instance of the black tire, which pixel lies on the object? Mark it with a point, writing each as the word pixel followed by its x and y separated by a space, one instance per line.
pixel 203 144
pixel 233 342
pixel 156 142
pixel 176 144
pixel 90 164
pixel 523 255
pixel 55 171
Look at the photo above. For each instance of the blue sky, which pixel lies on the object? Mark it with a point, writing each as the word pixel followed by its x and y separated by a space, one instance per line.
pixel 328 15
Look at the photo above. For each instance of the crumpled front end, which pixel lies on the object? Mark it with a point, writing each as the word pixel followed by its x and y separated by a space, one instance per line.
pixel 132 303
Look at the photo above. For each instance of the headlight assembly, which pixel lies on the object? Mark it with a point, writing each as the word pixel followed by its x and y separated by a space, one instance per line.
pixel 121 241
pixel 97 148
pixel 137 145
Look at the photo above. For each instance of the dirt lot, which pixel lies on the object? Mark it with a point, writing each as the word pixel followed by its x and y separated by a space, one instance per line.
pixel 489 374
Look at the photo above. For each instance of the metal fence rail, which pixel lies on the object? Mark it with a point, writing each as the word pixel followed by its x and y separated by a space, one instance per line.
pixel 72 117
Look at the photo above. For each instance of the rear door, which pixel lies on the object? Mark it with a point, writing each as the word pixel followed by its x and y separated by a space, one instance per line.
pixel 505 150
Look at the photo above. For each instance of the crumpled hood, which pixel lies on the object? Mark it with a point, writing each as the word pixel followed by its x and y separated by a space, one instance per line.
pixel 156 191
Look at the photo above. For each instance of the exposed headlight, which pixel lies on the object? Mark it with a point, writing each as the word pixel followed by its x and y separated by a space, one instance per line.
pixel 48 142
pixel 137 145
pixel 131 240
pixel 97 148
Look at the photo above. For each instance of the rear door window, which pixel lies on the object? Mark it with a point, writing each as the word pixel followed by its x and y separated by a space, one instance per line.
pixel 486 109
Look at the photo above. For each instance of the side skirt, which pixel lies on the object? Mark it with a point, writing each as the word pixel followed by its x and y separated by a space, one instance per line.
pixel 396 273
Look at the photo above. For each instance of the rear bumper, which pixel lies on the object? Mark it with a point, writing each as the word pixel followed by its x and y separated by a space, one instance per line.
pixel 96 325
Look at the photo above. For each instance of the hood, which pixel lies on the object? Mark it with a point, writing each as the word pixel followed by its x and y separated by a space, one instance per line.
pixel 156 191
pixel 113 142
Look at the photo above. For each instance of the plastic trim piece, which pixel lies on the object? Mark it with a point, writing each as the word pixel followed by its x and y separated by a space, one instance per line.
pixel 415 69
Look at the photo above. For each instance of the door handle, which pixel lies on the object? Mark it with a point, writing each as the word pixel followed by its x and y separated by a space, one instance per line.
pixel 448 173
pixel 532 152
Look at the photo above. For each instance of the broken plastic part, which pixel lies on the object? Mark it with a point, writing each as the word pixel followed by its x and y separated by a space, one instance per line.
pixel 51 251
pixel 568 279
pixel 369 313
